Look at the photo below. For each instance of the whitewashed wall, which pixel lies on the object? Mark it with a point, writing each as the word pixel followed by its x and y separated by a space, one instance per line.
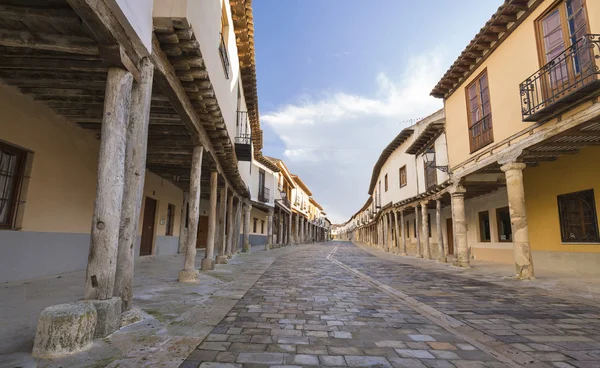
pixel 136 17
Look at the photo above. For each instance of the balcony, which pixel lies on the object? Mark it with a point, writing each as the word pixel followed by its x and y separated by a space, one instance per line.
pixel 570 77
pixel 224 56
pixel 243 137
pixel 264 195
pixel 481 133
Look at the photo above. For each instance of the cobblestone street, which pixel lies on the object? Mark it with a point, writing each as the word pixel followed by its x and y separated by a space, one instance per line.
pixel 337 305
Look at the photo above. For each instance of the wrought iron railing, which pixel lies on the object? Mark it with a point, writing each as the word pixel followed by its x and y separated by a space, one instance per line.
pixel 558 80
pixel 243 133
pixel 224 55
pixel 481 133
pixel 264 194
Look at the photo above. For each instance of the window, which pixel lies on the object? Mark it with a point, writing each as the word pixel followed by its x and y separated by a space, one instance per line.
pixel 504 227
pixel 261 186
pixel 262 226
pixel 170 220
pixel 578 219
pixel 430 173
pixel 386 182
pixel 12 178
pixel 559 29
pixel 479 113
pixel 255 225
pixel 484 227
pixel 402 173
pixel 223 40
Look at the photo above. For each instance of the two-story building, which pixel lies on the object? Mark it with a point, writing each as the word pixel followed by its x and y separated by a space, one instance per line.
pixel 407 210
pixel 523 128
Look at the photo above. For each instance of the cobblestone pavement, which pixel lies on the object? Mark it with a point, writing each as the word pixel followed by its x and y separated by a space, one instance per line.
pixel 336 305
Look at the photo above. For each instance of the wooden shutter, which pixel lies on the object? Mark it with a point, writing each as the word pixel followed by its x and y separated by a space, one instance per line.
pixel 474 104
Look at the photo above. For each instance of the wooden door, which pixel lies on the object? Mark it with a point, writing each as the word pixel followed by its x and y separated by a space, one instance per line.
pixel 202 232
pixel 450 232
pixel 148 227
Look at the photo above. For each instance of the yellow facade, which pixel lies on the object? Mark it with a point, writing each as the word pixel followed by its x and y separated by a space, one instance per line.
pixel 510 64
pixel 570 173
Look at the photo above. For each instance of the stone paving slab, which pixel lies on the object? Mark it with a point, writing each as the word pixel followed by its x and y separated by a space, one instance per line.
pixel 555 331
pixel 307 311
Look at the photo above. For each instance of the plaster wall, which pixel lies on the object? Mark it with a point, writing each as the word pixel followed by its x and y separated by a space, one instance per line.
pixel 136 17
pixel 510 64
pixel 54 237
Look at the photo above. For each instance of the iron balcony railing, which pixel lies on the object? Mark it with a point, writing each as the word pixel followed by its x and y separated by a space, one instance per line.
pixel 243 133
pixel 566 78
pixel 481 133
pixel 264 194
pixel 224 55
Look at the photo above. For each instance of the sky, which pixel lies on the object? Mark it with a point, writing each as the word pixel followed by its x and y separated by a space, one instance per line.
pixel 339 79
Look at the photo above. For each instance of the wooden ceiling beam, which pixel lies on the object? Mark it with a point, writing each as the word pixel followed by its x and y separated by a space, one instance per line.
pixel 52 64
pixel 51 42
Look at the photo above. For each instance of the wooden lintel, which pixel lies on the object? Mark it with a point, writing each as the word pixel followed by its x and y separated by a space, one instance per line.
pixel 50 42
pixel 115 56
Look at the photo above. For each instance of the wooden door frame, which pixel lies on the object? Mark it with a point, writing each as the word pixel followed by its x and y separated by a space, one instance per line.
pixel 155 226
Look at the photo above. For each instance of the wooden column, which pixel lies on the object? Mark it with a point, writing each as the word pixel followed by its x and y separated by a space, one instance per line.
pixel 135 173
pixel 398 233
pixel 425 230
pixel 518 219
pixel 208 261
pixel 269 230
pixel 419 248
pixel 236 232
pixel 289 232
pixel 230 218
pixel 222 229
pixel 182 229
pixel 297 230
pixel 247 210
pixel 438 228
pixel 189 272
pixel 102 256
pixel 403 230
pixel 460 225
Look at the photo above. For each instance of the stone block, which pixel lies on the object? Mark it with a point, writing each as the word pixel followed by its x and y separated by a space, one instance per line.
pixel 109 316
pixel 65 329
pixel 221 259
pixel 207 264
pixel 188 276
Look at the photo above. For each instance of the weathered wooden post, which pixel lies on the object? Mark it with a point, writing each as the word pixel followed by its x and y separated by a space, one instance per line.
pixel 269 244
pixel 135 173
pixel 182 223
pixel 106 218
pixel 425 230
pixel 207 262
pixel 189 272
pixel 230 218
pixel 222 244
pixel 438 219
pixel 246 246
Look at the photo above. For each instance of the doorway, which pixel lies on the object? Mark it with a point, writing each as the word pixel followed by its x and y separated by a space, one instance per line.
pixel 148 227
pixel 202 232
pixel 450 232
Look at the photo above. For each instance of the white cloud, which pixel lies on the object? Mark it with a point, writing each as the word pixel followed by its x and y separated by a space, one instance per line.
pixel 332 140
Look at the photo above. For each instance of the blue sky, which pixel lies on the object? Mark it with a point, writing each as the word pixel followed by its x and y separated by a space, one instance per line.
pixel 338 79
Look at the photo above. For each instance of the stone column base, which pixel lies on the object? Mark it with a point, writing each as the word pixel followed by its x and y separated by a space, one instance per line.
pixel 188 276
pixel 207 264
pixel 221 260
pixel 246 248
pixel 109 316
pixel 65 329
